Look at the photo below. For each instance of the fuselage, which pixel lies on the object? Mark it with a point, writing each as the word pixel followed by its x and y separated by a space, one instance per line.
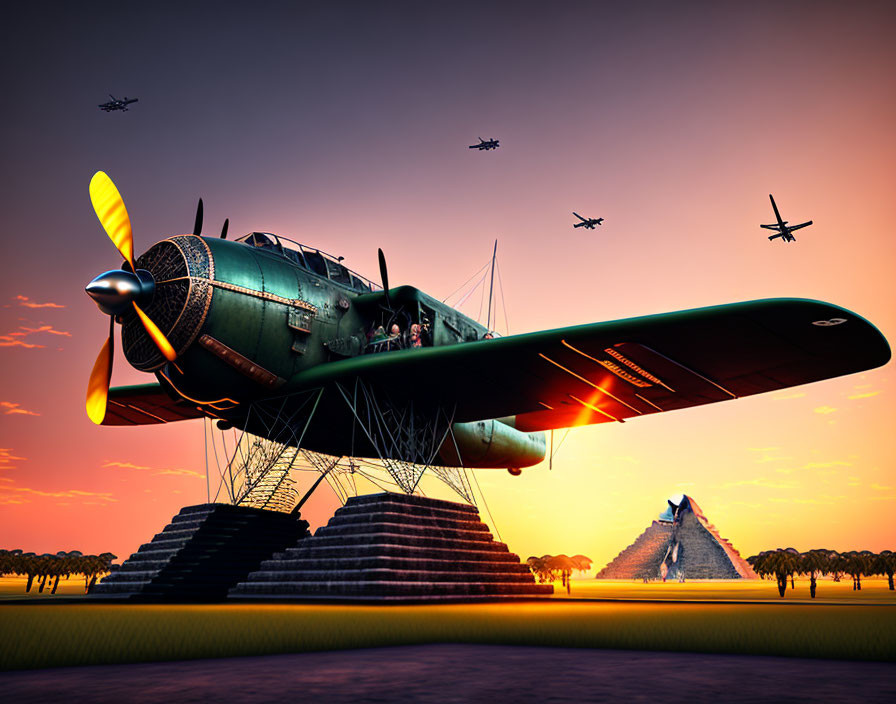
pixel 248 319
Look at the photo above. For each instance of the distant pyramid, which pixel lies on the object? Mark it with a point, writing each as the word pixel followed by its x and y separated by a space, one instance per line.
pixel 682 544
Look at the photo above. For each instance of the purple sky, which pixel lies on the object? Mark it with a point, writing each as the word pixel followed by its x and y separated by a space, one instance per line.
pixel 345 125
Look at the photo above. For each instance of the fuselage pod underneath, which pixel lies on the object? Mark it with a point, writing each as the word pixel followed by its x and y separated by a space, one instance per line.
pixel 491 444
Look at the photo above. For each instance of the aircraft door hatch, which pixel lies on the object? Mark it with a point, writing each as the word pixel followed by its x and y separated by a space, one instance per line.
pixel 300 322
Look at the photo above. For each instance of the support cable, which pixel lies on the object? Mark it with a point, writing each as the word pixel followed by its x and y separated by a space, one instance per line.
pixel 487 509
pixel 479 271
pixel 205 456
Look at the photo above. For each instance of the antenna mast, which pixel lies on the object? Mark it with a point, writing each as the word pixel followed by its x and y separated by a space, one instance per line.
pixel 491 284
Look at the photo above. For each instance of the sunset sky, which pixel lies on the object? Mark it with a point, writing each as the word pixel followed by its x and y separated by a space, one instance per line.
pixel 345 125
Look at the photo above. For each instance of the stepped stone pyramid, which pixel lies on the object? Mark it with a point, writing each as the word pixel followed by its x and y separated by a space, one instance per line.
pixel 394 547
pixel 203 552
pixel 681 544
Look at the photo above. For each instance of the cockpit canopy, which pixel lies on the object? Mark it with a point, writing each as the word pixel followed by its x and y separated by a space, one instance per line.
pixel 321 263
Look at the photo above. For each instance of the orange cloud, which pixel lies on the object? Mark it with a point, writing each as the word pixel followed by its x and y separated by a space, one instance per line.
pixel 43 328
pixel 15 339
pixel 12 409
pixel 28 303
pixel 181 473
pixel 161 472
pixel 6 457
pixel 762 482
pixel 125 465
pixel 824 410
pixel 785 397
pixel 22 495
pixel 867 394
pixel 9 341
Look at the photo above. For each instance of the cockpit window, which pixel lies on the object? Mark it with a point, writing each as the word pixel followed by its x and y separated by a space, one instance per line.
pixel 316 263
pixel 359 284
pixel 296 257
pixel 261 239
pixel 314 260
pixel 338 273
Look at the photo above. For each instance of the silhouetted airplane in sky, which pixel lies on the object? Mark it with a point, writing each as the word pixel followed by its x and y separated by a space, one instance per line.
pixel 485 144
pixel 116 104
pixel 781 227
pixel 588 223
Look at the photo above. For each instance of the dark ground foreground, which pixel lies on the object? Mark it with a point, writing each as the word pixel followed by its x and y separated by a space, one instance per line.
pixel 464 673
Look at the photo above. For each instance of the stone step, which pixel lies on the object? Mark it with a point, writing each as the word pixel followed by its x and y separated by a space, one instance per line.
pixel 142 565
pixel 375 589
pixel 398 538
pixel 209 541
pixel 124 588
pixel 387 575
pixel 203 552
pixel 395 547
pixel 405 500
pixel 315 551
pixel 150 553
pixel 360 519
pixel 408 530
pixel 508 564
pixel 405 509
pixel 131 576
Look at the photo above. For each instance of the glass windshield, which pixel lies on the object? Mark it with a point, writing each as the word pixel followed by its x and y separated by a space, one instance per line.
pixel 310 258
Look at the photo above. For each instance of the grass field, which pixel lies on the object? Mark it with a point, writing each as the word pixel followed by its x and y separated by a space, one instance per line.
pixel 42 634
pixel 874 591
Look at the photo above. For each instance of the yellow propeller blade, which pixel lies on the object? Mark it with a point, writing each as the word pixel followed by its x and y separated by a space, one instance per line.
pixel 157 336
pixel 98 385
pixel 109 208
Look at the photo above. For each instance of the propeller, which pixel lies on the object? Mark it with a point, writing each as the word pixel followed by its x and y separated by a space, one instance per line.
pixel 384 275
pixel 100 376
pixel 197 225
pixel 117 290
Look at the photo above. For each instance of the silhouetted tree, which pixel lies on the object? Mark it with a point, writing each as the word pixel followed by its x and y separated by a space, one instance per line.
pixel 814 563
pixel 582 563
pixel 885 563
pixel 95 566
pixel 856 564
pixel 562 565
pixel 782 563
pixel 548 568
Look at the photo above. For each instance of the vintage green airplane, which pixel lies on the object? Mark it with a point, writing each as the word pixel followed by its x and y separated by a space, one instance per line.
pixel 285 342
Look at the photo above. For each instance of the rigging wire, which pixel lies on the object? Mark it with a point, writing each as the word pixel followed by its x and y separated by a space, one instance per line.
pixel 482 301
pixel 503 298
pixel 469 293
pixel 218 464
pixel 205 456
pixel 445 299
pixel 560 443
pixel 487 509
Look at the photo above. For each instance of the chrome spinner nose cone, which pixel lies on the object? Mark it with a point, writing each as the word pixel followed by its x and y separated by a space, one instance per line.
pixel 113 291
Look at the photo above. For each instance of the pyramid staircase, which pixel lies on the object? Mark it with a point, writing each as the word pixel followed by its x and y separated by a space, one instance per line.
pixel 394 547
pixel 706 555
pixel 202 553
pixel 689 545
pixel 641 558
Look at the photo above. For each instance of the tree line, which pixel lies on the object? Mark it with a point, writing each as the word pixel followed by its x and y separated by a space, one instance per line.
pixel 549 568
pixel 784 563
pixel 49 568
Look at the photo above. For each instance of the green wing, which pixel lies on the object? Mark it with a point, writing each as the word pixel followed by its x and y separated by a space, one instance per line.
pixel 145 404
pixel 625 368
